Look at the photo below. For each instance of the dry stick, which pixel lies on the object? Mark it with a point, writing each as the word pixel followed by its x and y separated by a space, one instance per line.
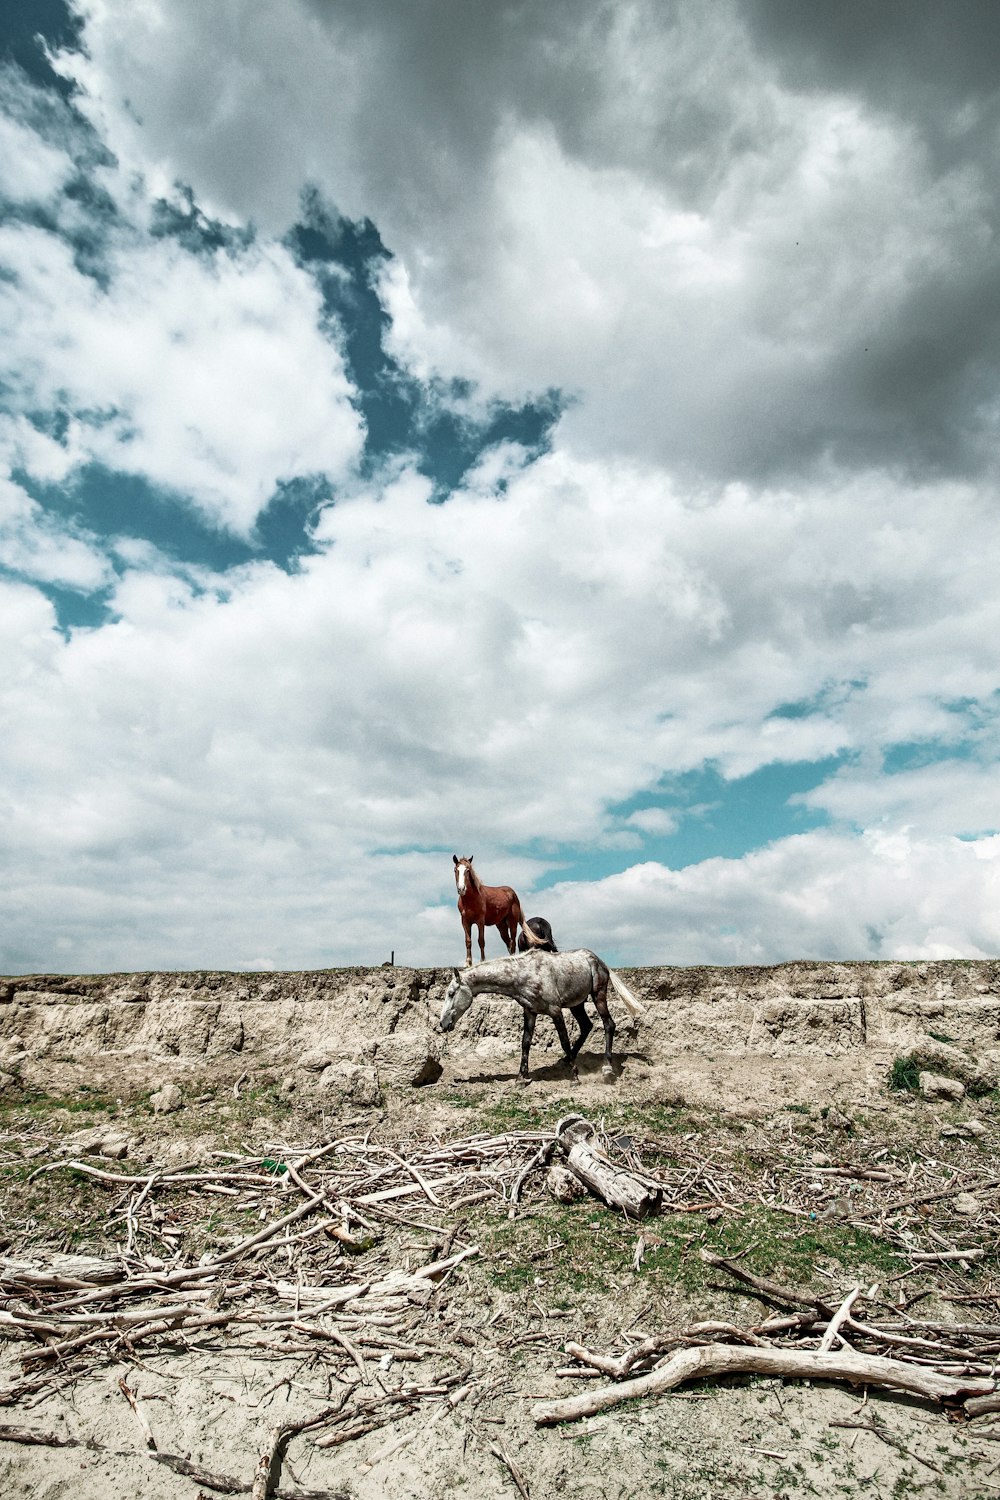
pixel 501 1451
pixel 345 1344
pixel 952 1191
pixel 409 1167
pixel 541 1157
pixel 268 1232
pixel 140 1415
pixel 834 1325
pixel 802 1364
pixel 898 1340
pixel 772 1289
pixel 925 1257
pixel 280 1436
pixel 32 1436
pixel 887 1437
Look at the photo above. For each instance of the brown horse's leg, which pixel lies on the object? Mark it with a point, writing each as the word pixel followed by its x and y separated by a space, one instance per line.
pixel 586 1026
pixel 570 1052
pixel 508 930
pixel 467 929
pixel 527 1032
pixel 482 943
pixel 600 999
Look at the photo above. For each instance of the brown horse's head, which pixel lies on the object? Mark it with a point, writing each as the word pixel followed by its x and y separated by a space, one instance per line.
pixel 464 878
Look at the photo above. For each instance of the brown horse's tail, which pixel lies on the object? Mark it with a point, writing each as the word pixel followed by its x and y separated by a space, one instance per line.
pixel 531 939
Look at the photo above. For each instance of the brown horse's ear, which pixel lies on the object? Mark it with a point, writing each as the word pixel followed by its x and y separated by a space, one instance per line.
pixel 471 858
pixel 455 858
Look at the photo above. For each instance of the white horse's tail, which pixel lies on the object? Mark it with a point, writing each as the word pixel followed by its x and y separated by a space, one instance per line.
pixel 622 990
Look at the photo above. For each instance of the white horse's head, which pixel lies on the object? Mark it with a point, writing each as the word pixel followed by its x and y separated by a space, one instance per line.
pixel 463 873
pixel 456 1002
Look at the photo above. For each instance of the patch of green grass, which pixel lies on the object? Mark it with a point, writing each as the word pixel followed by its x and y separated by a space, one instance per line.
pixel 574 1248
pixel 904 1074
pixel 38 1105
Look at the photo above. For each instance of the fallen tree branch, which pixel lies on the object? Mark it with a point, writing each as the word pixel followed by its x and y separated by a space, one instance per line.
pixel 797 1364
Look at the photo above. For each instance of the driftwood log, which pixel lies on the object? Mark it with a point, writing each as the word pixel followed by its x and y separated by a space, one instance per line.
pixel 635 1196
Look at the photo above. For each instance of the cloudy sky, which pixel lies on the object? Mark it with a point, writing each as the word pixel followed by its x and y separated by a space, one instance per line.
pixel 562 433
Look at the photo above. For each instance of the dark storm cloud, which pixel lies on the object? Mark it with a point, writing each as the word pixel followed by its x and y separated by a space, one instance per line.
pixel 934 63
pixel 684 98
pixel 919 387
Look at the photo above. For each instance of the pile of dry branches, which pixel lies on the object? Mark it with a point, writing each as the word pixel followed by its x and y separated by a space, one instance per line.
pixel 292 1285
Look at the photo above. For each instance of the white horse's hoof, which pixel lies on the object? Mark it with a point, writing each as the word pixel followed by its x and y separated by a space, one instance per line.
pixel 608 1073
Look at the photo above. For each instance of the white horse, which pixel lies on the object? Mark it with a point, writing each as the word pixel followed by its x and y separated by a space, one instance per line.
pixel 545 984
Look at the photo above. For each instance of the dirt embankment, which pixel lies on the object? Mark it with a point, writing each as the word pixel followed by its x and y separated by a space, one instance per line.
pixel 756 1032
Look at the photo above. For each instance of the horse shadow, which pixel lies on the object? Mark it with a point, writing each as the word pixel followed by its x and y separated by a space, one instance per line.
pixel 588 1066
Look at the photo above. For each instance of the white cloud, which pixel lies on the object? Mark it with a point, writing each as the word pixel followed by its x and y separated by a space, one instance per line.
pixel 30 170
pixel 631 204
pixel 818 895
pixel 32 544
pixel 659 821
pixel 252 759
pixel 210 376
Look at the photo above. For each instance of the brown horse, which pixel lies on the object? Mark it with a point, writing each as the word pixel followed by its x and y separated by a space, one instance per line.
pixel 485 906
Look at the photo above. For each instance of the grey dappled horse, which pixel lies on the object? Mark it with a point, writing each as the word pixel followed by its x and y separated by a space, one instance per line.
pixel 545 984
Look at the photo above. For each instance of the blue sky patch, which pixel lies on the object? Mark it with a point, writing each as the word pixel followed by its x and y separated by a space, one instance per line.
pixel 402 415
pixel 716 818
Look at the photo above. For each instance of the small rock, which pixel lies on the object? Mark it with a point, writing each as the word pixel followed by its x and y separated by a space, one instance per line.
pixel 933 1086
pixel 167 1100
pixel 564 1185
pixel 966 1128
pixel 409 1058
pixel 965 1203
pixel 352 1083
pixel 7 1081
pixel 288 1086
pixel 190 1152
pixel 820 1159
pixel 115 1147
pixel 315 1059
pixel 835 1120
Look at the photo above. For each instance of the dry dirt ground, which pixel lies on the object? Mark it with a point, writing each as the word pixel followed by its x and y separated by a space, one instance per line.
pixel 747 1091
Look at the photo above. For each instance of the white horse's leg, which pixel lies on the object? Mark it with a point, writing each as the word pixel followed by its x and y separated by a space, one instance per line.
pixel 527 1032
